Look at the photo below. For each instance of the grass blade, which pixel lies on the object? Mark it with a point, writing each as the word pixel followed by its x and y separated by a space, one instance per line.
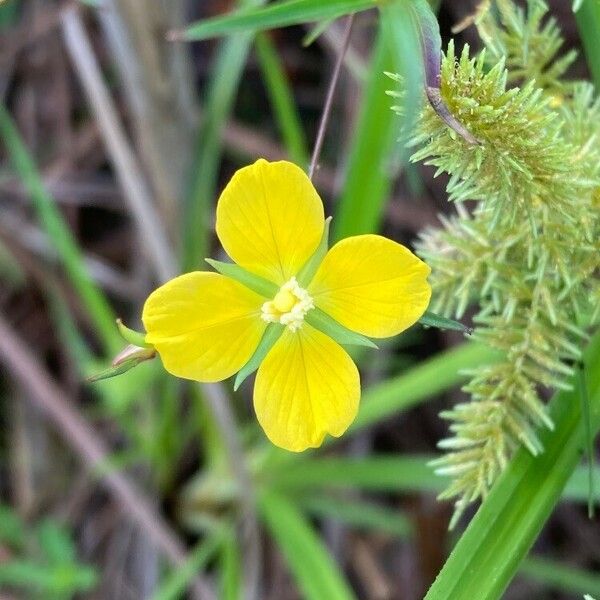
pixel 368 182
pixel 440 373
pixel 588 22
pixel 317 575
pixel 282 101
pixel 490 551
pixel 278 14
pixel 225 79
pixel 381 473
pixel 359 514
pixel 175 584
pixel 561 577
pixel 60 235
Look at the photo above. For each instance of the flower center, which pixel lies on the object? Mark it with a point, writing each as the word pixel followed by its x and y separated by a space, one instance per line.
pixel 289 306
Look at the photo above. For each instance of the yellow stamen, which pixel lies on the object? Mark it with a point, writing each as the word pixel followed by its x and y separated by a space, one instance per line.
pixel 289 306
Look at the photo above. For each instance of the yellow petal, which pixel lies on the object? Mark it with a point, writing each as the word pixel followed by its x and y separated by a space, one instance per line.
pixel 204 326
pixel 372 285
pixel 270 219
pixel 307 386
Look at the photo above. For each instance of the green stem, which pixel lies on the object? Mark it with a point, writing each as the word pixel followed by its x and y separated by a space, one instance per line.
pixel 588 22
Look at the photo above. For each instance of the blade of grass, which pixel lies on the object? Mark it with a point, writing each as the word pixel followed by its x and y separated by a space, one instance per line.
pixel 359 514
pixel 368 184
pixel 588 22
pixel 556 575
pixel 432 377
pixel 315 572
pixel 381 473
pixel 224 82
pixel 282 100
pixel 375 152
pixel 230 572
pixel 176 583
pixel 589 438
pixel 278 14
pixel 92 298
pixel 491 549
pixel 390 473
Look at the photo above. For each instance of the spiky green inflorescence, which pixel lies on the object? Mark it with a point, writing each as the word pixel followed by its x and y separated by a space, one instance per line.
pixel 529 43
pixel 524 246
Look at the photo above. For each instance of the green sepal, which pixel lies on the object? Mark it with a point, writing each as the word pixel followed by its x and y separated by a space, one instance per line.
pixel 129 358
pixel 307 272
pixel 329 326
pixel 253 282
pixel 137 338
pixel 430 319
pixel 270 336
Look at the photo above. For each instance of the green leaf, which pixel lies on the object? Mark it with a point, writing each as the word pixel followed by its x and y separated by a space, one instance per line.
pixel 430 319
pixel 558 576
pixel 270 336
pixel 12 529
pixel 307 272
pixel 60 235
pixel 588 22
pixel 231 568
pixel 282 100
pixel 175 584
pixel 55 543
pixel 490 551
pixel 278 14
pixel 315 32
pixel 226 74
pixel 388 473
pixel 378 472
pixel 589 438
pixel 435 375
pixel 254 282
pixel 318 577
pixel 370 160
pixel 359 514
pixel 329 326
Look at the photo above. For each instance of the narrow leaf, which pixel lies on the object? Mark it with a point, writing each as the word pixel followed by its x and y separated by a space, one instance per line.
pixel 271 335
pixel 359 514
pixel 430 319
pixel 230 59
pixel 329 326
pixel 589 441
pixel 317 575
pixel 59 234
pixel 370 161
pixel 278 14
pixel 282 100
pixel 307 272
pixel 174 585
pixel 254 282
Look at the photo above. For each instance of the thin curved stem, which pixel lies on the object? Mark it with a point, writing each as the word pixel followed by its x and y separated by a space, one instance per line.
pixel 329 99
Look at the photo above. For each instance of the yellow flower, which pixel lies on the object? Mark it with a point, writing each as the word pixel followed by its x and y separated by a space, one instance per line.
pixel 206 326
